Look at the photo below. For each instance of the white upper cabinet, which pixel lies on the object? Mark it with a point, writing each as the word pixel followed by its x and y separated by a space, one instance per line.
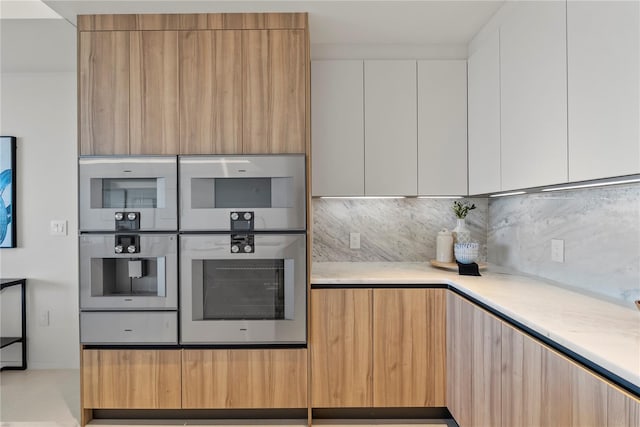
pixel 533 71
pixel 442 127
pixel 390 129
pixel 603 48
pixel 484 116
pixel 337 130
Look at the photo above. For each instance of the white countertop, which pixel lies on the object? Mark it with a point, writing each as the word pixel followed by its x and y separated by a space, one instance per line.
pixel 603 332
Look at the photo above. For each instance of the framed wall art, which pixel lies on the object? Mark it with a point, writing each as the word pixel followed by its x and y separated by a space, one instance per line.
pixel 7 191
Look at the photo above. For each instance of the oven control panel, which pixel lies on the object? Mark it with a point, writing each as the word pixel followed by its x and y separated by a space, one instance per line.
pixel 127 221
pixel 241 221
pixel 242 244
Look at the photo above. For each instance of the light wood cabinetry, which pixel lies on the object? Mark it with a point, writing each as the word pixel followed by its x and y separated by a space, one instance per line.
pixel 274 82
pixel 337 115
pixel 519 381
pixel 484 117
pixel 193 84
pixel 378 347
pixel 603 48
pixel 442 127
pixel 623 410
pixel 103 73
pixel 390 128
pixel 153 99
pixel 243 379
pixel 131 379
pixel 473 364
pixel 210 92
pixel 341 348
pixel 533 79
pixel 408 342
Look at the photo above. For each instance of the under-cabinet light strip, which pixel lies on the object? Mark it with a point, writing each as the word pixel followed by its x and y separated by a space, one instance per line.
pixel 513 193
pixel 595 184
pixel 440 197
pixel 362 197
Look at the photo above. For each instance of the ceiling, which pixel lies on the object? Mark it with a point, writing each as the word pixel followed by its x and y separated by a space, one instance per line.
pixel 33 37
pixel 418 22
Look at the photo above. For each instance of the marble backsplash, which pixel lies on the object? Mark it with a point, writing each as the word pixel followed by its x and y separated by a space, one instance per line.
pixel 390 229
pixel 601 232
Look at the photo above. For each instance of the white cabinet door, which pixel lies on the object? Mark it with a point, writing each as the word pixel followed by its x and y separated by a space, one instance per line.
pixel 337 131
pixel 390 128
pixel 603 47
pixel 534 95
pixel 442 128
pixel 484 117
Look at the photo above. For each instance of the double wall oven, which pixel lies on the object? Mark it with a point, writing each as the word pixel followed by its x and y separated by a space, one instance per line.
pixel 243 249
pixel 236 235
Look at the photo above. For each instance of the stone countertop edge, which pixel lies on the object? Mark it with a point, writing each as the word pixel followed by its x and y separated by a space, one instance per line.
pixel 599 331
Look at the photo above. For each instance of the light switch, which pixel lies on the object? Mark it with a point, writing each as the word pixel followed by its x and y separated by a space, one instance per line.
pixel 58 228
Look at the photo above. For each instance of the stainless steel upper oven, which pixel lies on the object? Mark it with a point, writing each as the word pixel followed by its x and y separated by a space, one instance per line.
pixel 243 288
pixel 268 189
pixel 128 193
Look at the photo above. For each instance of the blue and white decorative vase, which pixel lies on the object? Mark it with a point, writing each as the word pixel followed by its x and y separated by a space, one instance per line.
pixel 461 233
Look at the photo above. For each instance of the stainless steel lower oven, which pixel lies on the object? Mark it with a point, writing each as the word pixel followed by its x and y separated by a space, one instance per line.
pixel 243 289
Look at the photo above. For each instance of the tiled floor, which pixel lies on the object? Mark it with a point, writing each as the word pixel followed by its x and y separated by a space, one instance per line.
pixel 51 398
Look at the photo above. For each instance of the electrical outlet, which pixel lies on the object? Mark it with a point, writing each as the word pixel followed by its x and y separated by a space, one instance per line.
pixel 58 228
pixel 43 320
pixel 557 250
pixel 354 240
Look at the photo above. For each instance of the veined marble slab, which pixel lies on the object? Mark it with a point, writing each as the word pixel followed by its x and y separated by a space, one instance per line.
pixel 603 332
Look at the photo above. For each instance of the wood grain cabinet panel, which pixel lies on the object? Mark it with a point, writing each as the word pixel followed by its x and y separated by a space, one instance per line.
pixel 210 92
pixel 486 383
pixel 103 67
pixel 154 127
pixel 623 410
pixel 131 379
pixel 274 91
pixel 408 338
pixel 218 379
pixel 341 348
pixel 459 358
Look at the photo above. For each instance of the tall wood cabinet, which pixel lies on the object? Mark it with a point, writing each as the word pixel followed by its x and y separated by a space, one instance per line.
pixel 190 84
pixel 153 97
pixel 377 347
pixel 103 72
pixel 210 91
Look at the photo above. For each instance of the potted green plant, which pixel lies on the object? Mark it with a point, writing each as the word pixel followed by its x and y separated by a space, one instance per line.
pixel 461 233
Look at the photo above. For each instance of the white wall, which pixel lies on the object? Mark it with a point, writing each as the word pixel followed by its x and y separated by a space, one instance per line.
pixel 39 108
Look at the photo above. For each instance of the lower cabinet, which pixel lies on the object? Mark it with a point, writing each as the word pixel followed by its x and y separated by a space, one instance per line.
pixel 473 364
pixel 234 379
pixel 499 376
pixel 131 379
pixel 377 347
pixel 189 379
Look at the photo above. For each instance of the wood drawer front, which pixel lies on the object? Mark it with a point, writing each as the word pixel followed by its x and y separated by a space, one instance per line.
pixel 131 379
pixel 244 379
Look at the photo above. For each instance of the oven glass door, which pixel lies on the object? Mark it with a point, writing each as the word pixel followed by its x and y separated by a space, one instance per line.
pixel 235 298
pixel 272 187
pixel 144 185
